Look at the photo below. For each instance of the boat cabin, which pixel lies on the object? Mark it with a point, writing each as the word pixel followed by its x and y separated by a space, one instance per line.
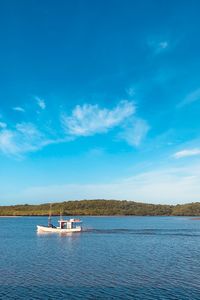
pixel 69 224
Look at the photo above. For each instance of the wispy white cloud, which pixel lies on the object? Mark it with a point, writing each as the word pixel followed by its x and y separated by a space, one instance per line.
pixel 186 153
pixel 41 103
pixel 85 120
pixel 158 46
pixel 90 119
pixel 18 108
pixel 190 98
pixel 130 91
pixel 135 132
pixel 7 146
pixel 163 45
pixel 25 137
pixel 3 125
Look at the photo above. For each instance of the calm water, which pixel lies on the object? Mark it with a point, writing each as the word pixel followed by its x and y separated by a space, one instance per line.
pixel 115 258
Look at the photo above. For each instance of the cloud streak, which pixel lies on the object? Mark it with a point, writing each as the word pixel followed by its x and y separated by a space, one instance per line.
pixel 18 108
pixel 186 153
pixel 190 98
pixel 167 185
pixel 41 103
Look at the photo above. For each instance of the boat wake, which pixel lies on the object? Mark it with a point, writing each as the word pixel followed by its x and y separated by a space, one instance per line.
pixel 168 232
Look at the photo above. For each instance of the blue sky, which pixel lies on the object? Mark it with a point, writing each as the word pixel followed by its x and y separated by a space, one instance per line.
pixel 99 99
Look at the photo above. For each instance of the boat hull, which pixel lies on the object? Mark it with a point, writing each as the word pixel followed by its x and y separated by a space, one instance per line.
pixel 57 230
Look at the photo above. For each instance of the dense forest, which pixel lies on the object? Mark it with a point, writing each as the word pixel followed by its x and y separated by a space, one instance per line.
pixel 103 208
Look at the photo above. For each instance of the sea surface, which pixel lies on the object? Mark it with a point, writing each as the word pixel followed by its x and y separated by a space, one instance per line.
pixel 114 258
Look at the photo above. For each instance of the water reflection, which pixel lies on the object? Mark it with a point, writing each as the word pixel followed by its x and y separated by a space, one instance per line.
pixel 60 234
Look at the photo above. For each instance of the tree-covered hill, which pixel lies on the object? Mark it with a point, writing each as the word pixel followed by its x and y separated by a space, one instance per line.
pixel 102 207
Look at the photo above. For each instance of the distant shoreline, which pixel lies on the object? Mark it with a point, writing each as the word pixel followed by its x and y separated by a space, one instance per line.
pixel 101 207
pixel 193 217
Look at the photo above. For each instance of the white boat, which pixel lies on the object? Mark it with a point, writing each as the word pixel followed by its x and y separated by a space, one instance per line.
pixel 65 226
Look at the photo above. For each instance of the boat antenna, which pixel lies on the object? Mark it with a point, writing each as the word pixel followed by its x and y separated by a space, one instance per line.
pixel 49 218
pixel 60 215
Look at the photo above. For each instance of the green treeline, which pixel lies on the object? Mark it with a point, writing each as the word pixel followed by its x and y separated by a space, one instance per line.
pixel 102 207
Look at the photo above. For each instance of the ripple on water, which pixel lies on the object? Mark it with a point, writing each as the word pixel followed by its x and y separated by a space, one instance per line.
pixel 119 258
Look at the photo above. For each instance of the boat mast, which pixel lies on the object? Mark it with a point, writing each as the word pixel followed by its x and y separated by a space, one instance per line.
pixel 49 218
